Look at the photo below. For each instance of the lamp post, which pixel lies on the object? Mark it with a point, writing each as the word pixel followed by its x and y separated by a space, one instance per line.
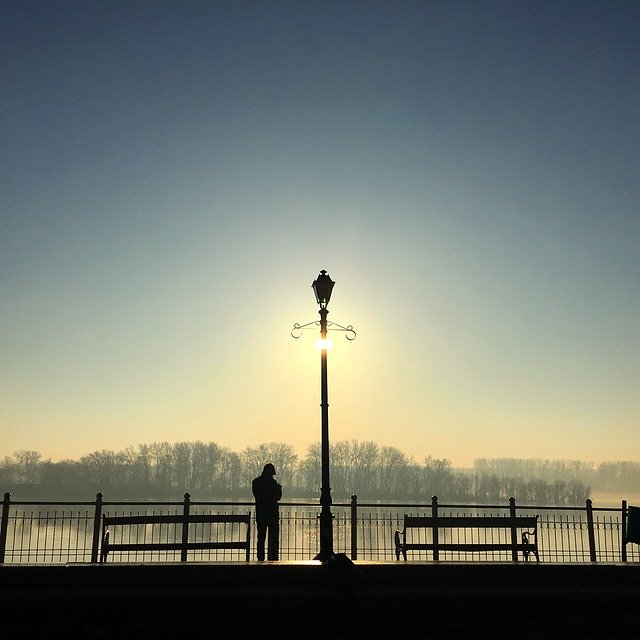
pixel 322 287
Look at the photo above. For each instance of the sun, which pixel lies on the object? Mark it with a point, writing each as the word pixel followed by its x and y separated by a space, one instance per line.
pixel 321 344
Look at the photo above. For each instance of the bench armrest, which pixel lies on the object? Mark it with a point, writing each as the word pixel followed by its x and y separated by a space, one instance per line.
pixel 397 538
pixel 104 546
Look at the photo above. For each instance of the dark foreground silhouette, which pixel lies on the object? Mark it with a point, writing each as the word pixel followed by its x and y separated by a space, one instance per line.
pixel 309 600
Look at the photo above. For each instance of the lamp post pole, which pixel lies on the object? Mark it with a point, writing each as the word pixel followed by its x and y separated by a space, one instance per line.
pixel 322 287
pixel 326 517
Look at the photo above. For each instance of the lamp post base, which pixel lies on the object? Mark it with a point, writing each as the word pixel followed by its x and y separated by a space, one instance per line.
pixel 326 521
pixel 326 535
pixel 341 571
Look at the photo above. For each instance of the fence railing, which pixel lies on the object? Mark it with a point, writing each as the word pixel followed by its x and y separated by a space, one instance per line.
pixel 69 532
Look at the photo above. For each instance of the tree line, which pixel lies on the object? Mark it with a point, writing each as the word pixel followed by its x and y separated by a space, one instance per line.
pixel 163 470
pixel 620 476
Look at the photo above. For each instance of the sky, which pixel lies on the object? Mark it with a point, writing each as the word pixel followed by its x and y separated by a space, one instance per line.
pixel 176 174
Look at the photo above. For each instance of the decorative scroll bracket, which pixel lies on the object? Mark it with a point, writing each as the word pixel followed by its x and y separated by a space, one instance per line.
pixel 297 330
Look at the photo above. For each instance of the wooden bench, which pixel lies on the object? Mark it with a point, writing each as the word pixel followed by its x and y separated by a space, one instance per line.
pixel 183 545
pixel 526 525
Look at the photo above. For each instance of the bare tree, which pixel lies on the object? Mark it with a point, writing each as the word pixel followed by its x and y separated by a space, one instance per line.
pixel 365 462
pixel 310 468
pixel 281 455
pixel 27 462
pixel 99 469
pixel 392 472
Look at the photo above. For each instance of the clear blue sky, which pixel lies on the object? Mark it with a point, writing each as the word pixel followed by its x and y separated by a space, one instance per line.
pixel 175 174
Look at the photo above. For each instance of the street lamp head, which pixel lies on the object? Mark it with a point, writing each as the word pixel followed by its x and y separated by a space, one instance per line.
pixel 322 287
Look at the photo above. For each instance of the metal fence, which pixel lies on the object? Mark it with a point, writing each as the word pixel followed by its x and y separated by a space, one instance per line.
pixel 70 532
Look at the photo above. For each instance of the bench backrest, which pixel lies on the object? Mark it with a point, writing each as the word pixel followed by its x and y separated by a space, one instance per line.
pixel 464 522
pixel 184 545
pixel 196 518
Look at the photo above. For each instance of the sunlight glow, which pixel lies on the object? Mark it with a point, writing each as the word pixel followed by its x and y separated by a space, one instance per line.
pixel 324 344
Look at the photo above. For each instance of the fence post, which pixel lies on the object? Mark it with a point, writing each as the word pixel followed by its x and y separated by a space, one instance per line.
pixel 5 525
pixel 434 515
pixel 514 533
pixel 591 531
pixel 354 527
pixel 185 526
pixel 97 515
pixel 623 539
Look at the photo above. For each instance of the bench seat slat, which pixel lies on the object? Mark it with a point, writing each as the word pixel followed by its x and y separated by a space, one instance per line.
pixel 469 547
pixel 173 546
pixel 217 545
pixel 144 546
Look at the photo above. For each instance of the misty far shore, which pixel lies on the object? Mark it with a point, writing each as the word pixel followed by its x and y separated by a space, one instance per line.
pixel 208 471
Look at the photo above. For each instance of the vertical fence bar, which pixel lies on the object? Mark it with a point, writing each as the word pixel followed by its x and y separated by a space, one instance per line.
pixel 185 526
pixel 354 527
pixel 97 516
pixel 434 514
pixel 247 556
pixel 591 531
pixel 4 527
pixel 623 532
pixel 514 533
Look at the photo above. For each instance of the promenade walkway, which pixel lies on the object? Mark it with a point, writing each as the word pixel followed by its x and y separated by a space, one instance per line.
pixel 307 600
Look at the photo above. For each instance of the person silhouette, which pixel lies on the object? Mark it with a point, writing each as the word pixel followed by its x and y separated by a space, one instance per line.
pixel 267 492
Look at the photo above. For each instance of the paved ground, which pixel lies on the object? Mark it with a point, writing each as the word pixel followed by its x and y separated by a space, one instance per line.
pixel 287 600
